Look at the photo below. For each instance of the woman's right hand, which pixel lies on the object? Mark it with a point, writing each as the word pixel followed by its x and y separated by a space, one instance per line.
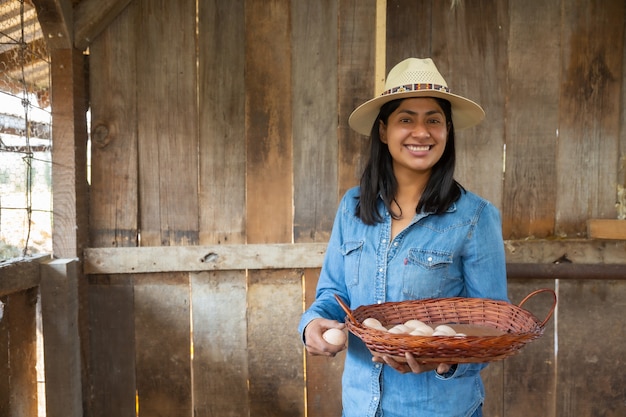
pixel 314 340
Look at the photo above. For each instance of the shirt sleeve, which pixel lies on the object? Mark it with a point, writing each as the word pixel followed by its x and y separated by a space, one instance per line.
pixel 331 280
pixel 484 263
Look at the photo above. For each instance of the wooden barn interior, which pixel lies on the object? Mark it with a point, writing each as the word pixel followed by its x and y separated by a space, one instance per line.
pixel 200 149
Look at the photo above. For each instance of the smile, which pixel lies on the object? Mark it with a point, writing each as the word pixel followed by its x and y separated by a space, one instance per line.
pixel 418 148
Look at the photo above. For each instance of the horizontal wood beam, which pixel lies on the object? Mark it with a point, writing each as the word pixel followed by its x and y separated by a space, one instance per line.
pixel 92 16
pixel 311 255
pixel 20 274
pixel 203 258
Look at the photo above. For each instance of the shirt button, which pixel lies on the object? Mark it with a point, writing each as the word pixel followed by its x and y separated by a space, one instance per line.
pixel 395 243
pixel 384 241
pixel 379 301
pixel 430 259
pixel 375 398
pixel 380 270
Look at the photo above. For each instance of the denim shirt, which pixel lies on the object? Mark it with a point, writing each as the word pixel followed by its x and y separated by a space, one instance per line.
pixel 457 253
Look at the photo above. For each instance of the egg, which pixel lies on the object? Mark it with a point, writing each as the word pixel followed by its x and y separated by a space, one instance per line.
pixel 424 331
pixel 400 329
pixel 372 323
pixel 417 324
pixel 335 337
pixel 443 330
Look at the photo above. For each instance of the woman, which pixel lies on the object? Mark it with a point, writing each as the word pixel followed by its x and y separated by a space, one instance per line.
pixel 409 231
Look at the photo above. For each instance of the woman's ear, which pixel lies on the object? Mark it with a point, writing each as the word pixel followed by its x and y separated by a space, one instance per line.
pixel 382 131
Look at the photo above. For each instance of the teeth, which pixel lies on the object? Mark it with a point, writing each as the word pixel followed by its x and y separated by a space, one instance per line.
pixel 417 148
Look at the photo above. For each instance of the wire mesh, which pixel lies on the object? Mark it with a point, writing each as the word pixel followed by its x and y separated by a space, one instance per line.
pixel 25 134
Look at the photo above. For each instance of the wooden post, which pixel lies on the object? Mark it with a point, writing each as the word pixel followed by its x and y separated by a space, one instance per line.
pixel 60 315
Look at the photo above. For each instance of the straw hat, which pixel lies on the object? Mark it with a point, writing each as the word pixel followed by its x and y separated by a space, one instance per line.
pixel 416 77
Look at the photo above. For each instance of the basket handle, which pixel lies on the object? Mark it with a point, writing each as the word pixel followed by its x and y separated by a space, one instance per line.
pixel 346 309
pixel 532 294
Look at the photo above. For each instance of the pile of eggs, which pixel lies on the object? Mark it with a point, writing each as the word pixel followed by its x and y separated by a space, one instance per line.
pixel 413 328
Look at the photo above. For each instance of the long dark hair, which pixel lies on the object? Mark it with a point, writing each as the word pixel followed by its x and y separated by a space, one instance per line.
pixel 378 178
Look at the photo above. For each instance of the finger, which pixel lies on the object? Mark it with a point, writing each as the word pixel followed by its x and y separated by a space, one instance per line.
pixel 400 367
pixel 443 368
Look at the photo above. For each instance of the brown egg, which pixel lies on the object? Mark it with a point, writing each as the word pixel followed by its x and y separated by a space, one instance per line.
pixel 335 337
pixel 374 324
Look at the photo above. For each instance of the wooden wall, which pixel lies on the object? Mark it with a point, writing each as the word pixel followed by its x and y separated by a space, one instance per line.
pixel 225 123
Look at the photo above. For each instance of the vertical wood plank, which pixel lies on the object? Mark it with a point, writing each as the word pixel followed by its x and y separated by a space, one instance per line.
pixel 112 346
pixel 113 83
pixel 22 353
pixel 408 31
pixel 5 373
pixel 357 48
pixel 532 114
pixel 314 118
pixel 69 154
pixel 222 147
pixel 470 50
pixel 269 212
pixel 269 148
pixel 114 214
pixel 220 355
pixel 530 376
pixel 274 348
pixel 589 113
pixel 163 345
pixel 590 348
pixel 167 122
pixel 315 166
pixel 323 374
pixel 62 345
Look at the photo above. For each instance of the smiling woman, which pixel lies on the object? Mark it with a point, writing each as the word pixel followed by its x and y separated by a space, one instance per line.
pixel 409 231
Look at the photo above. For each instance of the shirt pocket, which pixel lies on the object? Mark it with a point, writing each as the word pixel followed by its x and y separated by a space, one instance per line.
pixel 351 252
pixel 425 273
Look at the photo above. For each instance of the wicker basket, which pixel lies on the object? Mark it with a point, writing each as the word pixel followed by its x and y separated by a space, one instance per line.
pixel 516 325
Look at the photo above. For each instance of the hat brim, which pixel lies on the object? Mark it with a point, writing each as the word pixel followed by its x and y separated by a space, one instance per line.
pixel 465 113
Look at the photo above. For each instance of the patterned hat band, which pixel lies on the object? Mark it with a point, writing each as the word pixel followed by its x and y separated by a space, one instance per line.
pixel 416 87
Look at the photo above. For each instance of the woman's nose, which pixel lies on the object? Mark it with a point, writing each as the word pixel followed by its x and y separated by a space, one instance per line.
pixel 420 130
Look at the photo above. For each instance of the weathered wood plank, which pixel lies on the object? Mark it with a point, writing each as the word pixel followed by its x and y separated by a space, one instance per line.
pixel 163 346
pixel 220 355
pixel 408 33
pixel 221 101
pixel 203 258
pixel 91 17
pixel 356 81
pixel 529 376
pixel 274 350
pixel 167 122
pixel 114 190
pixel 314 118
pixel 469 49
pixel 323 374
pixel 20 275
pixel 269 211
pixel 589 124
pixel 606 229
pixel 114 212
pixel 269 147
pixel 56 18
pixel 60 281
pixel 69 154
pixel 591 345
pixel 532 114
pixel 5 371
pixel 112 346
pixel 19 314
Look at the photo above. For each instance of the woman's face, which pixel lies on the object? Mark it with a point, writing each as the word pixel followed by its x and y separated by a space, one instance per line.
pixel 416 134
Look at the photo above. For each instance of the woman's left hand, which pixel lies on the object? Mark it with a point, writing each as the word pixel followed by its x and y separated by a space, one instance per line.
pixel 411 364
